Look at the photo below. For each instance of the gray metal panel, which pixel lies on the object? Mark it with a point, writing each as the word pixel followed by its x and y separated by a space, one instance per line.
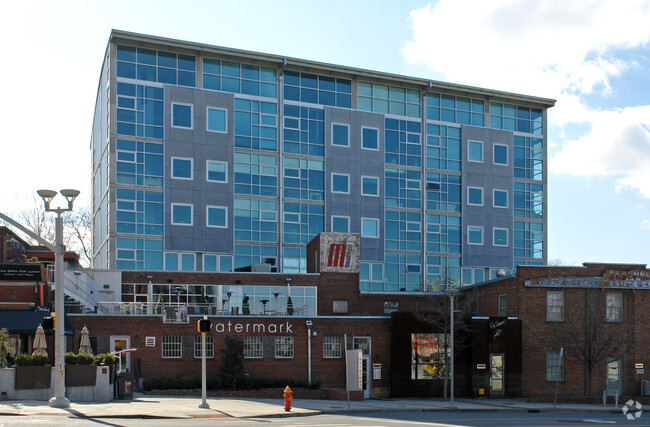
pixel 200 145
pixel 488 176
pixel 356 162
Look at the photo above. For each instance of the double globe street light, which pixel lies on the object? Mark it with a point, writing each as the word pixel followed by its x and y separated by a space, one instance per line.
pixel 59 400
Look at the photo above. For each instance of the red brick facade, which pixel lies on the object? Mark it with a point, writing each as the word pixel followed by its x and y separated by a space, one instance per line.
pixel 527 300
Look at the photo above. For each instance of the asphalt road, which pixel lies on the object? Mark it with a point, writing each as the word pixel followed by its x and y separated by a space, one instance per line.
pixel 384 419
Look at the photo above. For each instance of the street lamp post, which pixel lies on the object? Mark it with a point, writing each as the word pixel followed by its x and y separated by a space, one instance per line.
pixel 452 292
pixel 59 400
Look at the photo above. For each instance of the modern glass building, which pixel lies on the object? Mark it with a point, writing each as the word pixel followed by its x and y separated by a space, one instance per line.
pixel 214 159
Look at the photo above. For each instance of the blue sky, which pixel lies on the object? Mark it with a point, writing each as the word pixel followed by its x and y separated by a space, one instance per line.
pixel 592 56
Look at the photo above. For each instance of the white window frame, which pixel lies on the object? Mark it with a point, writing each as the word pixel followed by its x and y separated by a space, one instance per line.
pixel 376 221
pixel 553 376
pixel 614 314
pixel 549 317
pixel 209 346
pixel 347 218
pixel 255 346
pixel 207 162
pixel 366 148
pixel 469 142
pixel 502 305
pixel 172 347
pixel 347 175
pixel 370 194
pixel 180 261
pixel 332 135
pixel 284 347
pixel 207 113
pixel 191 116
pixel 468 235
pixel 191 214
pixel 494 157
pixel 332 347
pixel 191 168
pixel 207 216
pixel 150 341
pixel 494 205
pixel 468 198
pixel 494 242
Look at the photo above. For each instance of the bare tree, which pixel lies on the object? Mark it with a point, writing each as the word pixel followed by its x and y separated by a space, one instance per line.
pixel 76 235
pixel 589 339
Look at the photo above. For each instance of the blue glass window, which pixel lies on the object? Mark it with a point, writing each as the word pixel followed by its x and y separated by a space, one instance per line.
pixel 516 118
pixel 239 78
pixel 304 179
pixel 182 214
pixel 256 174
pixel 157 66
pixel 443 233
pixel 139 212
pixel 402 231
pixel 443 192
pixel 402 188
pixel 500 198
pixel 528 200
pixel 340 135
pixel 388 99
pixel 182 116
pixel 500 236
pixel 316 89
pixel 370 227
pixel 500 154
pixel 340 224
pixel 181 168
pixel 402 142
pixel 139 110
pixel 216 171
pixel 216 216
pixel 302 222
pixel 528 158
pixel 139 163
pixel 529 239
pixel 475 196
pixel 369 138
pixel 216 120
pixel 304 130
pixel 256 220
pixel 474 235
pixel 443 147
pixel 475 151
pixel 255 125
pixel 455 109
pixel 187 262
pixel 369 186
pixel 340 183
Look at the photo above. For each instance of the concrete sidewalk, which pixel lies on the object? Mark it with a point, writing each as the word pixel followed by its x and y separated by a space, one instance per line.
pixel 148 406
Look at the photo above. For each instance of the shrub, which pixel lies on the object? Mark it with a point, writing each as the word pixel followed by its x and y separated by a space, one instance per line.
pixel 79 359
pixel 106 359
pixel 24 359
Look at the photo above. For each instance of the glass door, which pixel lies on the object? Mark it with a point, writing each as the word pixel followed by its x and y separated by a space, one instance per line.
pixel 119 343
pixel 363 344
pixel 613 377
pixel 496 375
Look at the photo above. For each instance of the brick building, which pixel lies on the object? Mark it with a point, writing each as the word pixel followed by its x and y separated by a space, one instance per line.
pixel 574 318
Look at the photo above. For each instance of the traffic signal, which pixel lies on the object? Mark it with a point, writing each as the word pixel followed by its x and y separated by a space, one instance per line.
pixel 204 325
pixel 48 323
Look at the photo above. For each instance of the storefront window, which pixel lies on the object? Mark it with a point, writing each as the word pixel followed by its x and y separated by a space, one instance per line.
pixel 430 356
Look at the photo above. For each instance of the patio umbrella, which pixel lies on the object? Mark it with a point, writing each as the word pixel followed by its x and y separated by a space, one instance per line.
pixel 84 345
pixel 40 344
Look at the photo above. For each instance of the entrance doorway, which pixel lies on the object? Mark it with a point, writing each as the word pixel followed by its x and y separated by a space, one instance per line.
pixel 363 344
pixel 614 377
pixel 119 343
pixel 497 388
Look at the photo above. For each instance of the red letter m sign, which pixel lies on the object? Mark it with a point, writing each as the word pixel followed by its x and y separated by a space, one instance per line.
pixel 337 255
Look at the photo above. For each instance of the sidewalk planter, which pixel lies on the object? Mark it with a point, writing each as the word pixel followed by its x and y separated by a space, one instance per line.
pixel 80 375
pixel 31 377
pixel 101 389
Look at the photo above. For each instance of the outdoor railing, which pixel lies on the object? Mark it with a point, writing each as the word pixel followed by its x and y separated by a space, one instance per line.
pixel 180 312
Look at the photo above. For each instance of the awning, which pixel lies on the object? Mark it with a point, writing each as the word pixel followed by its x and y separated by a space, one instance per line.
pixel 25 322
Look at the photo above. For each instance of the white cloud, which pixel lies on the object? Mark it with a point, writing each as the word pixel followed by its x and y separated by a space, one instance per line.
pixel 645 224
pixel 562 49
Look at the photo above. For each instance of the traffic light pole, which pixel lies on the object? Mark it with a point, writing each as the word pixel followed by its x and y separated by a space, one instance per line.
pixel 203 404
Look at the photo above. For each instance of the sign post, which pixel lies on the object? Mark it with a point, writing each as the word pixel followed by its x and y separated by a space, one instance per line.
pixel 203 325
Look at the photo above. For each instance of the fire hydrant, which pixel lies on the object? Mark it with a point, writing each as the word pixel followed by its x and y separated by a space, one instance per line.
pixel 288 397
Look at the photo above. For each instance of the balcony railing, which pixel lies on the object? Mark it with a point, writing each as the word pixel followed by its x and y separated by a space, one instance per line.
pixel 180 312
